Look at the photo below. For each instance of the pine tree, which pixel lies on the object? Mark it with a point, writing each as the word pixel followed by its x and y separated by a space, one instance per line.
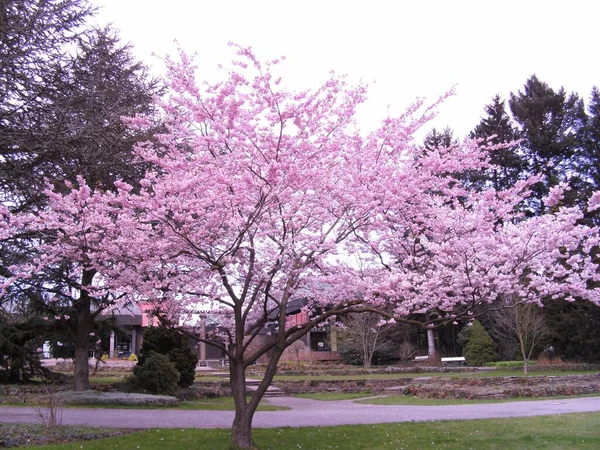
pixel 173 344
pixel 157 375
pixel 591 159
pixel 588 173
pixel 497 128
pixel 33 63
pixel 479 349
pixel 436 140
pixel 61 117
pixel 550 127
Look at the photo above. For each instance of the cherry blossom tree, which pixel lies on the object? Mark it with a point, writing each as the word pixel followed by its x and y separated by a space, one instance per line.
pixel 259 196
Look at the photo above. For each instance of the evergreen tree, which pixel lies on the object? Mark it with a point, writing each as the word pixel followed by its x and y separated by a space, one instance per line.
pixel 591 160
pixel 64 90
pixel 479 348
pixel 20 341
pixel 436 140
pixel 158 375
pixel 173 344
pixel 550 127
pixel 588 170
pixel 574 330
pixel 560 141
pixel 34 36
pixel 497 127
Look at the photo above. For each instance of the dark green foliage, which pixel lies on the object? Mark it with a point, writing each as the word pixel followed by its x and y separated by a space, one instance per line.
pixel 157 375
pixel 185 362
pixel 65 87
pixel 574 330
pixel 479 348
pixel 173 344
pixel 550 125
pixel 33 68
pixel 19 359
pixel 511 365
pixel 22 333
pixel 364 341
pixel 61 109
pixel 437 140
pixel 589 161
pixel 497 128
pixel 382 355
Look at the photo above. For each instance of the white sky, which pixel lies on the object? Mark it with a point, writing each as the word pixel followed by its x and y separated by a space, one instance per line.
pixel 401 49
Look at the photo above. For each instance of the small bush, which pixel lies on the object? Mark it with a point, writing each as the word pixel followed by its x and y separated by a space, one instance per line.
pixel 157 375
pixel 566 367
pixel 480 347
pixel 185 362
pixel 51 413
pixel 546 361
pixel 173 344
pixel 381 356
pixel 512 365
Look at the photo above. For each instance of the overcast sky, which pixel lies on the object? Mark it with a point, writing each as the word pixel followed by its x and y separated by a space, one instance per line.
pixel 401 49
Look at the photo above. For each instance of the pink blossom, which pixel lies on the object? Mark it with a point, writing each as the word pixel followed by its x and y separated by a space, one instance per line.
pixel 594 202
pixel 260 198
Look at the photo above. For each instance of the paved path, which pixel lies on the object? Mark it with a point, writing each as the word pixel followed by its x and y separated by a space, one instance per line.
pixel 305 412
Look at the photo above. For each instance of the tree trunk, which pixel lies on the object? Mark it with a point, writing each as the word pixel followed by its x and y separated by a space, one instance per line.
pixel 241 430
pixel 15 370
pixel 367 355
pixel 82 333
pixel 430 344
pixel 82 346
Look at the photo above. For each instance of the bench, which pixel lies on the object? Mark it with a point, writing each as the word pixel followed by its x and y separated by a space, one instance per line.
pixel 453 361
pixel 420 358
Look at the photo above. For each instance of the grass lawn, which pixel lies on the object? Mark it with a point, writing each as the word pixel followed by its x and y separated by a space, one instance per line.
pixel 418 401
pixel 209 378
pixel 215 404
pixel 393 376
pixel 223 404
pixel 333 396
pixel 410 400
pixel 107 380
pixel 571 431
pixel 220 404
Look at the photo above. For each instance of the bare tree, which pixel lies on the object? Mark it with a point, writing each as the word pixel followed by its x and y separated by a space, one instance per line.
pixel 364 334
pixel 296 352
pixel 525 325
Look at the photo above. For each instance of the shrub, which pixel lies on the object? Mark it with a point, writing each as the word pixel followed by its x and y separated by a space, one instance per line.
pixel 512 365
pixel 173 344
pixel 185 362
pixel 133 357
pixel 157 375
pixel 547 360
pixel 480 347
pixel 352 356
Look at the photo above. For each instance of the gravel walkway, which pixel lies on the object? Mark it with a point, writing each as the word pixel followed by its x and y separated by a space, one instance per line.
pixel 305 412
